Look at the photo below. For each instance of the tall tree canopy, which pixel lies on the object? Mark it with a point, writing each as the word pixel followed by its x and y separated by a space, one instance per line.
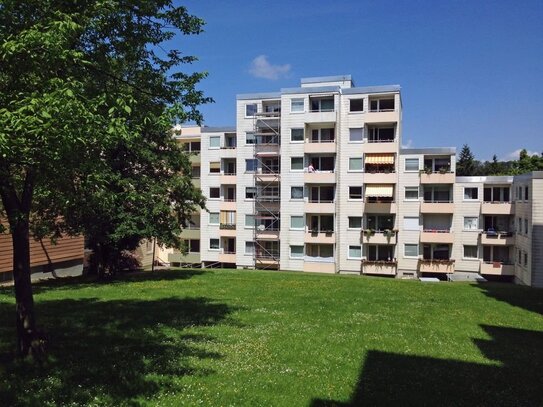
pixel 88 95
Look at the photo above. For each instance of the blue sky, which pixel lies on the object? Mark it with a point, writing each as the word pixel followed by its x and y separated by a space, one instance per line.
pixel 471 71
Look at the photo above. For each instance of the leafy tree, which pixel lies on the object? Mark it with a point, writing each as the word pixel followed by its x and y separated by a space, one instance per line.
pixel 466 166
pixel 88 96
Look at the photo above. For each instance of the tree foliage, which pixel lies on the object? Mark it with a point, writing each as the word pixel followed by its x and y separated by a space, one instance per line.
pixel 88 96
pixel 467 165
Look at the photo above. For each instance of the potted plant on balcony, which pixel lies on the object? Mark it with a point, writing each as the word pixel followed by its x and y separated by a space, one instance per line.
pixel 389 234
pixel 444 170
pixel 369 233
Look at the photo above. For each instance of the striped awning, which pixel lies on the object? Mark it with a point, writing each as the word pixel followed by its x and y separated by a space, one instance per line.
pixel 379 158
pixel 379 190
pixel 215 164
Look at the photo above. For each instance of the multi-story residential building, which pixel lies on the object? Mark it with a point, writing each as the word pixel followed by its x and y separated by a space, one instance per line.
pixel 314 179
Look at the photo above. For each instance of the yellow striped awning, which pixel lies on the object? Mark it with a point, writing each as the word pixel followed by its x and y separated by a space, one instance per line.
pixel 215 164
pixel 379 190
pixel 379 158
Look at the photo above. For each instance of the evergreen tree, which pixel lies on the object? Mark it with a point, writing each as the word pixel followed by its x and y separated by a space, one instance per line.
pixel 465 165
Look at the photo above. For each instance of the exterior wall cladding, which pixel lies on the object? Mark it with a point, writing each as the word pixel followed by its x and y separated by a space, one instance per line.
pixel 315 179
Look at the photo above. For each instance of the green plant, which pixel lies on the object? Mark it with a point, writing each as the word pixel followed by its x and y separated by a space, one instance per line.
pixel 369 233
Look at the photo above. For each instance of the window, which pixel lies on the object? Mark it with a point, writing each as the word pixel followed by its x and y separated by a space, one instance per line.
pixel 355 193
pixel 297 192
pixel 356 134
pixel 250 165
pixel 355 252
pixel 525 259
pixel 296 163
pixel 471 193
pixel 250 109
pixel 195 172
pixel 296 251
pixel 526 226
pixel 381 105
pixel 526 193
pixel 214 167
pixel 297 105
pixel 214 218
pixel 215 142
pixel 471 223
pixel 411 193
pixel 355 164
pixel 380 252
pixel 411 250
pixel 357 105
pixel 296 222
pixel 379 222
pixel 519 256
pixel 355 222
pixel 250 192
pixel 249 248
pixel 214 244
pixel 194 246
pixel 321 194
pixel 411 164
pixel 214 193
pixel 411 223
pixel 249 221
pixel 296 134
pixel 470 252
pixel 323 135
pixel 250 137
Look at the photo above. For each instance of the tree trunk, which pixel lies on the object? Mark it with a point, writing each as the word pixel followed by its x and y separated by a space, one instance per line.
pixel 27 337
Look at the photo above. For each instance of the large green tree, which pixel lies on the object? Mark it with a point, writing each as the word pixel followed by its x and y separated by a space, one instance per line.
pixel 88 95
pixel 466 164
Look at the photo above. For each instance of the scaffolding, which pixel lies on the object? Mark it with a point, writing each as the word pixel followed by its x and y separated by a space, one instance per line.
pixel 267 177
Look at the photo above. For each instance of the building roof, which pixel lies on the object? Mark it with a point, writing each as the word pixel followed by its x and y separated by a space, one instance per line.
pixel 220 129
pixel 261 95
pixel 490 179
pixel 372 89
pixel 429 150
pixel 336 78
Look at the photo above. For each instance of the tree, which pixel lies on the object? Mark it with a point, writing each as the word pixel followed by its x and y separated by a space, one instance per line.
pixel 465 166
pixel 88 95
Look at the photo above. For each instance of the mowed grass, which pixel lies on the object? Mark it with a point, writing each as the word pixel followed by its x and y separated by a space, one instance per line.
pixel 258 338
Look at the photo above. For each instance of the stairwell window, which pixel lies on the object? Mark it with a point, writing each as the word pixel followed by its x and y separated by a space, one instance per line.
pixel 356 135
pixel 355 222
pixel 250 109
pixel 411 164
pixel 249 221
pixel 471 223
pixel 355 252
pixel 214 218
pixel 297 222
pixel 411 250
pixel 214 142
pixel 296 251
pixel 411 193
pixel 214 193
pixel 250 165
pixel 214 244
pixel 355 164
pixel 297 105
pixel 250 192
pixel 296 163
pixel 249 248
pixel 356 105
pixel 471 194
pixel 470 252
pixel 297 193
pixel 297 135
pixel 355 193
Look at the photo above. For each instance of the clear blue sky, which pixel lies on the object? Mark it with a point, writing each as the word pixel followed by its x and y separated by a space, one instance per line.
pixel 471 71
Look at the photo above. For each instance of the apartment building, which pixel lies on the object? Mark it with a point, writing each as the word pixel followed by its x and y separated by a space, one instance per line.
pixel 314 178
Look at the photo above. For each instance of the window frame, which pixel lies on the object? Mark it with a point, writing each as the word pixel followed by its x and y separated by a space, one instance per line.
pixel 351 257
pixel 408 256
pixel 361 169
pixel 471 246
pixel 302 217
pixel 302 254
pixel 411 188
pixel 303 135
pixel 476 189
pixel 247 109
pixel 361 199
pixel 297 187
pixel 298 100
pixel 213 147
pixel 464 228
pixel 411 159
pixel 218 242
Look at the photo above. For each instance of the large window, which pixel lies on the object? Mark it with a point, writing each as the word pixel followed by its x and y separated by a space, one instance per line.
pixel 355 164
pixel 296 134
pixel 355 252
pixel 411 250
pixel 323 135
pixel 471 194
pixel 215 142
pixel 322 163
pixel 322 104
pixel 297 251
pixel 411 164
pixel 297 222
pixel 355 193
pixel 321 194
pixel 471 222
pixel 320 250
pixel 411 193
pixel 380 222
pixel 356 134
pixel 496 194
pixel 250 109
pixel 297 105
pixel 355 222
pixel 297 192
pixel 193 246
pixel 436 252
pixel 436 193
pixel 296 163
pixel 251 165
pixel 470 252
pixel 356 105
pixel 381 134
pixel 380 252
pixel 382 105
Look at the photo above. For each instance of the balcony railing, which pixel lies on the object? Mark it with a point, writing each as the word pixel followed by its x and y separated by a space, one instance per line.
pixel 381 140
pixel 380 262
pixel 318 259
pixel 227 226
pixel 320 201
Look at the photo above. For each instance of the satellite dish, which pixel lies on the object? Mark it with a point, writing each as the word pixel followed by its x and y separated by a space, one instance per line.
pixel 261 227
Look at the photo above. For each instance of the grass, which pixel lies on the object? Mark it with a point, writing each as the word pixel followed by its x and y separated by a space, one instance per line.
pixel 229 338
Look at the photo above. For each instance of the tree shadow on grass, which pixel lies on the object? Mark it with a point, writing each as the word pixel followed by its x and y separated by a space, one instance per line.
pixel 389 379
pixel 109 352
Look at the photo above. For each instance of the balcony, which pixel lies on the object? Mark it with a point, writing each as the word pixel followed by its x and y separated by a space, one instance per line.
pixel 267 149
pixel 382 116
pixel 379 267
pixel 267 234
pixel 381 146
pixel 320 147
pixel 320 207
pixel 195 158
pixel 436 266
pixel 497 208
pixel 320 236
pixel 378 237
pixel 191 233
pixel 437 207
pixel 228 178
pixel 196 182
pixel 227 257
pixel 437 178
pixel 380 178
pixel 322 116
pixel 325 177
pixel 319 264
pixel 228 152
pixel 380 207
pixel 228 205
pixel 180 258
pixel 497 238
pixel 227 230
pixel 436 236
pixel 497 268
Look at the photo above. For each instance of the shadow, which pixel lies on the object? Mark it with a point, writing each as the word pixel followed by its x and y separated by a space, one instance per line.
pixel 117 352
pixel 90 281
pixel 514 379
pixel 528 298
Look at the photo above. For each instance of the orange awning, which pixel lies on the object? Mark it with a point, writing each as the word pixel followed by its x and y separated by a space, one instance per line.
pixel 379 191
pixel 379 158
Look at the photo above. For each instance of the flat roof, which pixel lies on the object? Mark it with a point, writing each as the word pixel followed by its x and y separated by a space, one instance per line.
pixel 315 89
pixel 372 89
pixel 261 95
pixel 335 78
pixel 489 179
pixel 219 129
pixel 429 150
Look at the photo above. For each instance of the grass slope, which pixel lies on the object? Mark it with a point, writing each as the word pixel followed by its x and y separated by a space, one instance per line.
pixel 226 337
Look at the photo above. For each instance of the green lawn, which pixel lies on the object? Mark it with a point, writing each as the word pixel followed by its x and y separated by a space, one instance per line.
pixel 255 338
